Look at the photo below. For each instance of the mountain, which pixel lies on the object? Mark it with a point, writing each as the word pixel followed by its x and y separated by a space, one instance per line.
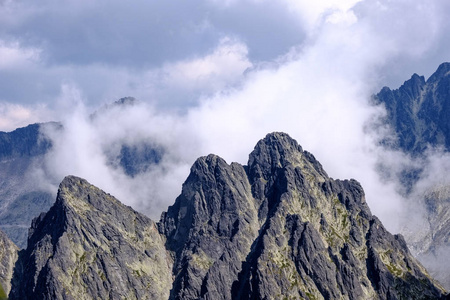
pixel 434 248
pixel 419 111
pixel 277 228
pixel 21 197
pixel 419 114
pixel 90 246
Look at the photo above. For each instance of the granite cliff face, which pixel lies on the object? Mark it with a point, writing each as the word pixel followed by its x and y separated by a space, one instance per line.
pixel 278 228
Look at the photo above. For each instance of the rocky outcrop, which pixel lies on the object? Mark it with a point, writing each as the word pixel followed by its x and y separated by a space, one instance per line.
pixel 280 227
pixel 8 257
pixel 90 246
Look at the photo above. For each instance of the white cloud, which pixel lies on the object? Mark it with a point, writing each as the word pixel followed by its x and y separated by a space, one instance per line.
pixel 225 65
pixel 13 116
pixel 12 55
pixel 313 13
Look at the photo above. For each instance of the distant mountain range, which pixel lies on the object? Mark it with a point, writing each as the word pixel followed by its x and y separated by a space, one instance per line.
pixel 419 111
pixel 276 228
pixel 21 198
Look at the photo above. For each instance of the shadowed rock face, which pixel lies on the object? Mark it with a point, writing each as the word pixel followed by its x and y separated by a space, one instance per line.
pixel 280 227
pixel 90 246
pixel 276 228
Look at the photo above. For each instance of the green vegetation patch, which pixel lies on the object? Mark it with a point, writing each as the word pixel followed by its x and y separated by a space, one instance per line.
pixel 3 295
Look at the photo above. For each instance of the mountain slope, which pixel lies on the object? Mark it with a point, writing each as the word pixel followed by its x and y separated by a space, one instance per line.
pixel 90 246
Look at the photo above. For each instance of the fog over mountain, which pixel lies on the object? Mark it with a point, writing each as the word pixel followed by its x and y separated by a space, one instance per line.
pixel 213 78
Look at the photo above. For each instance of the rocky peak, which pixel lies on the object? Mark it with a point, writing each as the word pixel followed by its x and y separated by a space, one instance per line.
pixel 442 71
pixel 418 111
pixel 280 227
pixel 90 246
pixel 277 150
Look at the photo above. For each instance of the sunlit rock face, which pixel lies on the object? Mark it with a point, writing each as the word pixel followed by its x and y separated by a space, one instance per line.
pixel 276 228
pixel 8 257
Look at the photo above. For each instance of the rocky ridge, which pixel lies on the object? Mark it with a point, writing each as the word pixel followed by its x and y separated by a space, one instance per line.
pixel 276 228
pixel 418 111
pixel 90 246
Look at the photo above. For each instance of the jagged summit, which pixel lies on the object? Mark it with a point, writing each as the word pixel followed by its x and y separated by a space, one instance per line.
pixel 276 228
pixel 277 150
pixel 418 111
pixel 442 71
pixel 280 227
